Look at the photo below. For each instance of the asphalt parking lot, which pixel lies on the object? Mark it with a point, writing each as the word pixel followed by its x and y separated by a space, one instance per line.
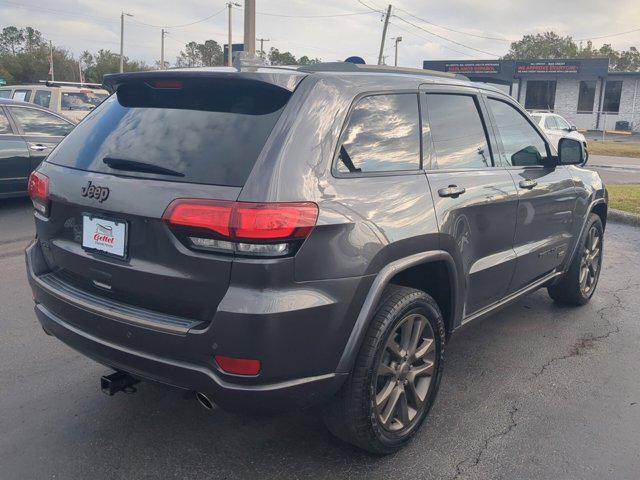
pixel 536 391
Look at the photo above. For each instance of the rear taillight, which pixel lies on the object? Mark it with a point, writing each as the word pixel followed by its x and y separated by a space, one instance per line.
pixel 38 189
pixel 266 229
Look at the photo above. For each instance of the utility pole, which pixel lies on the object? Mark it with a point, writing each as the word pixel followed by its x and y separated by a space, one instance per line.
pixel 51 61
pixel 230 48
pixel 398 40
pixel 262 40
pixel 122 15
pixel 164 32
pixel 250 27
pixel 384 34
pixel 80 70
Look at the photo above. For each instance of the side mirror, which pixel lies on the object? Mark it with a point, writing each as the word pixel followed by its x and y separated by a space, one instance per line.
pixel 571 152
pixel 572 128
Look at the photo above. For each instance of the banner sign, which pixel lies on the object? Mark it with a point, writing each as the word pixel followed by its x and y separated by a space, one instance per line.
pixel 472 67
pixel 548 66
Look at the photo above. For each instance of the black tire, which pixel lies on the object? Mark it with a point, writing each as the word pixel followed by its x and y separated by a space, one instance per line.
pixel 353 415
pixel 570 289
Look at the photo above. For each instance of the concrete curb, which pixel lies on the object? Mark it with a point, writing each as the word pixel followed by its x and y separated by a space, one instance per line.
pixel 623 217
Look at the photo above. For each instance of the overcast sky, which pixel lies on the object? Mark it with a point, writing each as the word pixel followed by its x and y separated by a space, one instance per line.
pixel 94 24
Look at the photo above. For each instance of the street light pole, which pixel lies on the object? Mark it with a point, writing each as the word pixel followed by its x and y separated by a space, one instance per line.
pixel 164 32
pixel 398 40
pixel 122 15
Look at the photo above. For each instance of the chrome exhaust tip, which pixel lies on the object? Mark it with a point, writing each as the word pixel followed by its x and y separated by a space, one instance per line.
pixel 204 401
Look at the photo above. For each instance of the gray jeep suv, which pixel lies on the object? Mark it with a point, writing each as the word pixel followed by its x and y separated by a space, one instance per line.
pixel 275 238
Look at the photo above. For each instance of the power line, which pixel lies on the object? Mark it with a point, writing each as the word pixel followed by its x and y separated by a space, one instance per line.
pixel 451 29
pixel 184 24
pixel 607 36
pixel 443 37
pixel 411 32
pixel 350 14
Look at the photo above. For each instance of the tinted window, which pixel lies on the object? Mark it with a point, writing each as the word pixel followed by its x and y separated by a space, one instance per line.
pixel 586 96
pixel 382 135
pixel 207 131
pixel 541 95
pixel 37 122
pixel 22 95
pixel 550 123
pixel 4 123
pixel 5 93
pixel 612 93
pixel 42 98
pixel 457 132
pixel 521 143
pixel 562 123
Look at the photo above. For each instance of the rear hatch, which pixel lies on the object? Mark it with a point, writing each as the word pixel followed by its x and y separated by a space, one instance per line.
pixel 155 140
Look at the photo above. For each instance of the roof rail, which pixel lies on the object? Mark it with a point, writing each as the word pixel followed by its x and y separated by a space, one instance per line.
pixel 50 83
pixel 353 67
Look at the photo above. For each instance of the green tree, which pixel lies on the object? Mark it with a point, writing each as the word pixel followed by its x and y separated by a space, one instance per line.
pixel 281 58
pixel 543 45
pixel 11 40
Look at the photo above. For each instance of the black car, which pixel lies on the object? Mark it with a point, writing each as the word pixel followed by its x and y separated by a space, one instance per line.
pixel 28 133
pixel 283 237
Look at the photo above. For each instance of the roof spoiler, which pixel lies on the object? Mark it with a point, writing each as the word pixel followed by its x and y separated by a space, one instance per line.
pixel 51 83
pixel 112 81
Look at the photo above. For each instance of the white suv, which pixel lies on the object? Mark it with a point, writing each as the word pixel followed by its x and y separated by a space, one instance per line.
pixel 69 99
pixel 556 127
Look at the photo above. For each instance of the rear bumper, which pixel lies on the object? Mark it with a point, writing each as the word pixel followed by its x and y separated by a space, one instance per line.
pixel 184 360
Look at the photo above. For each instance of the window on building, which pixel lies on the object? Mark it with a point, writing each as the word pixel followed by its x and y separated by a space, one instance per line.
pixel 541 95
pixel 521 143
pixel 457 131
pixel 586 96
pixel 612 92
pixel 42 98
pixel 383 135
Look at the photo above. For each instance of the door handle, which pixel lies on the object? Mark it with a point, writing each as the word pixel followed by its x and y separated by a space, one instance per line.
pixel 38 147
pixel 528 184
pixel 452 191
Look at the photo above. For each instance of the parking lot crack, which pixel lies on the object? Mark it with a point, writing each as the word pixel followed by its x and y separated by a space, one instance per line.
pixel 464 466
pixel 588 340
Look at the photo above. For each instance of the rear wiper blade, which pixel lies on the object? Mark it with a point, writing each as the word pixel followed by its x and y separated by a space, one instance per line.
pixel 135 166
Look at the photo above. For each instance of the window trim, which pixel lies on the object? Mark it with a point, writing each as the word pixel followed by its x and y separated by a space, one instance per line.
pixel 389 173
pixel 19 129
pixel 604 97
pixel 476 96
pixel 528 119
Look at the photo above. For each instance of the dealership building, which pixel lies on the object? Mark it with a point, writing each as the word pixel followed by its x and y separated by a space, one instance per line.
pixel 583 91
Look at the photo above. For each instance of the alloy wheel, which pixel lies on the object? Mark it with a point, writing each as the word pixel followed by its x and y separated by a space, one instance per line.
pixel 590 261
pixel 404 374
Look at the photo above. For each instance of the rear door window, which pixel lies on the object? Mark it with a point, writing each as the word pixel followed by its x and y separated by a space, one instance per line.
pixel 521 143
pixel 5 93
pixel 42 98
pixel 383 135
pixel 37 122
pixel 197 131
pixel 457 131
pixel 550 123
pixel 22 95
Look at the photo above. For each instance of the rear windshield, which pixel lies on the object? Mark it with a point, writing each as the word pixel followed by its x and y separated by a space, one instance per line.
pixel 196 131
